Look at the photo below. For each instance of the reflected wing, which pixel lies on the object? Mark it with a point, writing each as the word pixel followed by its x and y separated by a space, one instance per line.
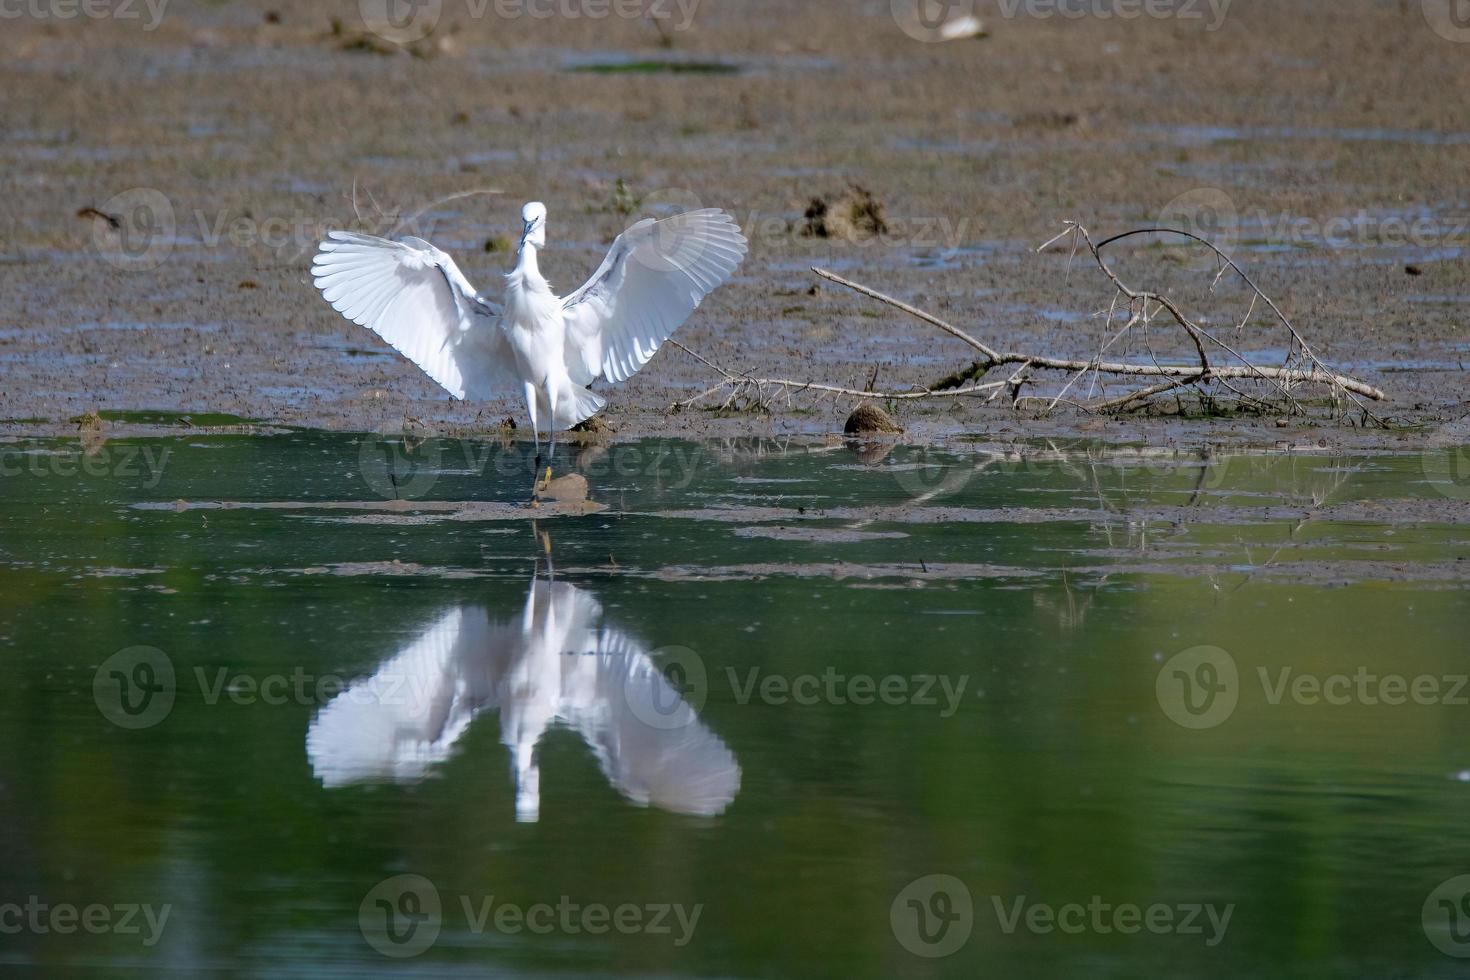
pixel 408 715
pixel 413 296
pixel 655 275
pixel 648 740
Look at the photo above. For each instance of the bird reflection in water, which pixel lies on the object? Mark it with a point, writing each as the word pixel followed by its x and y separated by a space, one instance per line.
pixel 557 663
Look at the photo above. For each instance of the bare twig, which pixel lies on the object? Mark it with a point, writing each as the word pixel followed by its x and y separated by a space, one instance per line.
pixel 1143 305
pixel 912 311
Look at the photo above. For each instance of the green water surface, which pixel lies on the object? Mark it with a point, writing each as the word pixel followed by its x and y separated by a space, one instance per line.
pixel 316 698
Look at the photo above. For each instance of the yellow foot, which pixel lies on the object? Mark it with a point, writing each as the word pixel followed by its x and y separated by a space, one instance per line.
pixel 544 482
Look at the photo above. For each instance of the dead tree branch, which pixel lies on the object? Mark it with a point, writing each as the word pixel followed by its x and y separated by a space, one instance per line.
pixel 1301 367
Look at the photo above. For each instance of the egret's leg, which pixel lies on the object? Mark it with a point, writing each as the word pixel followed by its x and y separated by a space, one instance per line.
pixel 551 430
pixel 535 435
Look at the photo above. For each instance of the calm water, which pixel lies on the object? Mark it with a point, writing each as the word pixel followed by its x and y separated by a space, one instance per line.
pixel 317 704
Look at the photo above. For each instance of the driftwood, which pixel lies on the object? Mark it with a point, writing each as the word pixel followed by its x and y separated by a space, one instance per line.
pixel 1136 307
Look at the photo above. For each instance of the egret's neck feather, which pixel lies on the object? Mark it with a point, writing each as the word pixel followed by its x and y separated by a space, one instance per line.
pixel 527 273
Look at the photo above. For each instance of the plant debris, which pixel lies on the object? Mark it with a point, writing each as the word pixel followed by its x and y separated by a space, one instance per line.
pixel 853 216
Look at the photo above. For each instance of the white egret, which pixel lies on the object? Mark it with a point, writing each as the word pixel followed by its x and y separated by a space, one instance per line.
pixel 547 348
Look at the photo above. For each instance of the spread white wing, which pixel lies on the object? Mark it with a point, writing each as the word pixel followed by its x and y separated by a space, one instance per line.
pixel 655 275
pixel 413 296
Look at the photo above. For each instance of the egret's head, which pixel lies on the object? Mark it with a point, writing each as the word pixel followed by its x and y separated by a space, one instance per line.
pixel 534 216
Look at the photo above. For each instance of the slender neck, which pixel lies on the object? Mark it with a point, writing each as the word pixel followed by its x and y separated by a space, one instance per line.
pixel 526 262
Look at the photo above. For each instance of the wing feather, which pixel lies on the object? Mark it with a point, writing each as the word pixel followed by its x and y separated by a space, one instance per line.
pixel 654 276
pixel 414 296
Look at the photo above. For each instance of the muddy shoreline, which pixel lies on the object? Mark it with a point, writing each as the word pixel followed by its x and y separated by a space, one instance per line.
pixel 1329 129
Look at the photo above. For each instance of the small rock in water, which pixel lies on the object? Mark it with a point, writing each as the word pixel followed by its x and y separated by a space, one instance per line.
pixel 568 489
pixel 870 418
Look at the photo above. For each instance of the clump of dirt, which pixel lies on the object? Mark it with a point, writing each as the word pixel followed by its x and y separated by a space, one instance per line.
pixel 594 426
pixel 368 42
pixel 112 220
pixel 959 379
pixel 869 418
pixel 855 214
pixel 1046 119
